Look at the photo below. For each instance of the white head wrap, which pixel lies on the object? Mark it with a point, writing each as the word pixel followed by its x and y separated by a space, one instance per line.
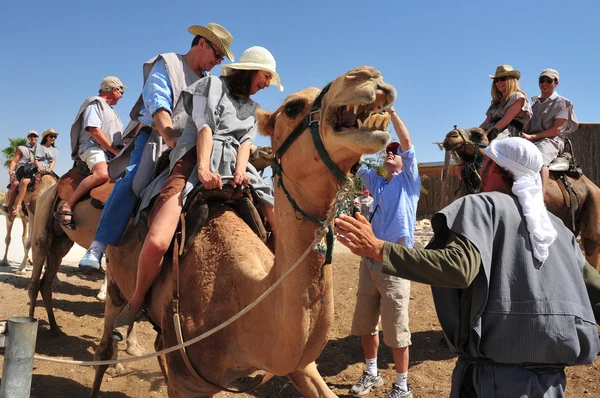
pixel 524 160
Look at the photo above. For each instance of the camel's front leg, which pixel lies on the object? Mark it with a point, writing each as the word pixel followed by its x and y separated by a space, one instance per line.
pixel 27 232
pixel 101 296
pixel 9 225
pixel 310 383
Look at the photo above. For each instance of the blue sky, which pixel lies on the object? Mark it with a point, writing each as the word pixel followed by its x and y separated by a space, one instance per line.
pixel 438 54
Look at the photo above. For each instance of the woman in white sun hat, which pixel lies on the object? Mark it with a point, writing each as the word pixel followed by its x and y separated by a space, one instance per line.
pixel 216 142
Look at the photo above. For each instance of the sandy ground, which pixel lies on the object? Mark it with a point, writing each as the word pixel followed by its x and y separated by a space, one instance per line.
pixel 341 363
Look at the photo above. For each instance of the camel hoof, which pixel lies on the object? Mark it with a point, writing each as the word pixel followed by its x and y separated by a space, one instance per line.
pixel 4 263
pixel 115 370
pixel 101 296
pixel 29 262
pixel 21 272
pixel 135 350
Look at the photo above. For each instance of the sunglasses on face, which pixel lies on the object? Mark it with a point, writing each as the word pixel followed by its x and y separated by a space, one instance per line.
pixel 120 89
pixel 32 136
pixel 52 136
pixel 218 55
pixel 500 79
pixel 546 80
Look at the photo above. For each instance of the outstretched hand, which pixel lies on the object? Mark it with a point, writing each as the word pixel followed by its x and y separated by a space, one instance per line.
pixel 357 235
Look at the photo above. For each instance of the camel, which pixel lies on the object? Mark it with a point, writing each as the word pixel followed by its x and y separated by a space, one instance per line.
pixel 27 217
pixel 468 145
pixel 229 266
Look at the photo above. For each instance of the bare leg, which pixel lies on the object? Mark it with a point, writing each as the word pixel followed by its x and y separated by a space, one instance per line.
pixel 22 191
pixel 310 383
pixel 156 244
pixel 370 344
pixel 401 357
pixel 98 177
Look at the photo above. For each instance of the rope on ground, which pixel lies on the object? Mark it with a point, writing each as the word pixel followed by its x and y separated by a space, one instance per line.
pixel 320 233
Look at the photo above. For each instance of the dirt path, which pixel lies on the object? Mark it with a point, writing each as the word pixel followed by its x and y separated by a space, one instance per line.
pixel 80 316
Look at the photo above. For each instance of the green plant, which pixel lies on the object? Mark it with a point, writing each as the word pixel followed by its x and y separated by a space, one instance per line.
pixel 9 152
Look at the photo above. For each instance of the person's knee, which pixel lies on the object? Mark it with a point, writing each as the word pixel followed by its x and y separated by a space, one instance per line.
pixel 101 176
pixel 156 245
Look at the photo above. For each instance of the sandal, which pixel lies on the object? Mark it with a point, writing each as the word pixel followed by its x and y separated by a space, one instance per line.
pixel 60 217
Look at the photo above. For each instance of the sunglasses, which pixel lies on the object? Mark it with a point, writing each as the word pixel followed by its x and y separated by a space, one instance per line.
pixel 120 89
pixel 501 79
pixel 51 136
pixel 32 136
pixel 546 80
pixel 218 55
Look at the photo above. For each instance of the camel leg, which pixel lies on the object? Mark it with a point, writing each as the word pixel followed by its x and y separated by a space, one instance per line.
pixel 101 296
pixel 108 347
pixel 310 383
pixel 59 249
pixel 27 232
pixel 133 347
pixel 9 225
pixel 162 359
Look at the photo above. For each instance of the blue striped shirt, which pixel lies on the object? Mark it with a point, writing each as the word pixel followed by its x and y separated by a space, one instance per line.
pixel 395 201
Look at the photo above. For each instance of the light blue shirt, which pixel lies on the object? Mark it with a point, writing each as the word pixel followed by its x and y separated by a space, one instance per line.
pixel 396 201
pixel 157 93
pixel 91 116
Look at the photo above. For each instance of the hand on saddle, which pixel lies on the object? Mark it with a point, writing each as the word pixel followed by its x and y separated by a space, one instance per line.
pixel 240 178
pixel 209 179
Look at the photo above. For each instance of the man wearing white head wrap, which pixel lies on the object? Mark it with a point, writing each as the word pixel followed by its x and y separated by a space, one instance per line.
pixel 524 161
pixel 488 283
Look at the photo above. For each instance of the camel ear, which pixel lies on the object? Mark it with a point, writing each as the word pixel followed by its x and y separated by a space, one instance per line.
pixel 266 122
pixel 477 134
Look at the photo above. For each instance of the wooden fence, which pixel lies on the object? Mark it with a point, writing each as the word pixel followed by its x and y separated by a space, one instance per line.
pixel 586 144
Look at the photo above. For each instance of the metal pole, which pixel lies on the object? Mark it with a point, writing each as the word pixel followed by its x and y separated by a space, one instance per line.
pixel 21 334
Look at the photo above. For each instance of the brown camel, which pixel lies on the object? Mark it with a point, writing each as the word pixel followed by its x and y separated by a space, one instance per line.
pixel 228 266
pixel 27 217
pixel 51 242
pixel 468 145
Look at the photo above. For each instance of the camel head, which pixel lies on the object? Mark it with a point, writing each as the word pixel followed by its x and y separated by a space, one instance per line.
pixel 351 117
pixel 465 142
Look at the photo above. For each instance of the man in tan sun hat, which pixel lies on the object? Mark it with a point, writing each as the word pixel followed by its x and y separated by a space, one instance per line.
pixel 157 120
pixel 92 137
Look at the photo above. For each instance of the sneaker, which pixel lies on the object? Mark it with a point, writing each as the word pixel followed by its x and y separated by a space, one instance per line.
pixel 91 260
pixel 124 321
pixel 365 383
pixel 396 392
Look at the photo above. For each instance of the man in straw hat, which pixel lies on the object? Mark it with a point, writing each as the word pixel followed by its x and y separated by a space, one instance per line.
pixel 157 120
pixel 553 119
pixel 507 269
pixel 20 171
pixel 92 136
pixel 382 296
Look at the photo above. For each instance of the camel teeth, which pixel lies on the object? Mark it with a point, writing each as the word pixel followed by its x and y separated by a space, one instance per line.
pixel 347 108
pixel 360 123
pixel 356 106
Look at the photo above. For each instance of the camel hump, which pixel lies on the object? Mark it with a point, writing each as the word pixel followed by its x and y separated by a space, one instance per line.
pixel 69 182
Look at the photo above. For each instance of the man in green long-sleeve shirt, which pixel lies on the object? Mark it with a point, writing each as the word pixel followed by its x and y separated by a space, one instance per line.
pixel 515 297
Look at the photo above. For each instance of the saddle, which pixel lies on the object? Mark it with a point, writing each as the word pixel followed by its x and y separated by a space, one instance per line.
pixel 71 180
pixel 565 162
pixel 35 181
pixel 195 214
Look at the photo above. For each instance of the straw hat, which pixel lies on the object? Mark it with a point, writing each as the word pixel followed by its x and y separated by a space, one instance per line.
pixel 217 35
pixel 255 58
pixel 506 71
pixel 48 132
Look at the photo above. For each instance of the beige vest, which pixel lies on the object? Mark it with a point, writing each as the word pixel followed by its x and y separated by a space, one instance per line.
pixel 180 76
pixel 81 140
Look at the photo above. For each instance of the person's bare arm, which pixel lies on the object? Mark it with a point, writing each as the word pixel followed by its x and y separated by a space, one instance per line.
pixel 485 122
pixel 240 177
pixel 510 114
pixel 13 164
pixel 553 131
pixel 401 130
pixel 100 137
pixel 164 124
pixel 203 152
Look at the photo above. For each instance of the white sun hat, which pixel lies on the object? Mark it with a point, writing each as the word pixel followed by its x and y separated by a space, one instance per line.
pixel 255 58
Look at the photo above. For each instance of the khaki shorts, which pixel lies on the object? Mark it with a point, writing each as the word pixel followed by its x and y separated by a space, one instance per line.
pixel 550 148
pixel 385 296
pixel 93 156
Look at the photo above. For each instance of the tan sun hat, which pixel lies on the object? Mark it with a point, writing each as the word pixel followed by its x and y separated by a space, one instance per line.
pixel 110 82
pixel 217 35
pixel 255 58
pixel 551 73
pixel 506 71
pixel 48 132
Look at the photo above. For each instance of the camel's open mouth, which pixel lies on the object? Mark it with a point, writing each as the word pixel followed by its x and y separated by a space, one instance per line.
pixel 362 116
